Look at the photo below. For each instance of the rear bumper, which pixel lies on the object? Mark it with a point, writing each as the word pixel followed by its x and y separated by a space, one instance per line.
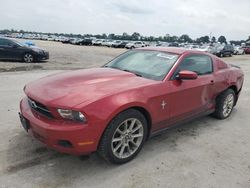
pixel 63 136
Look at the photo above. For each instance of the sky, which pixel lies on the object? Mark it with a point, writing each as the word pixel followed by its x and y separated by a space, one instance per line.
pixel 148 17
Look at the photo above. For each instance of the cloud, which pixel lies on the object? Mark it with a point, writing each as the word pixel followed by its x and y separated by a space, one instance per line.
pixel 131 9
pixel 175 17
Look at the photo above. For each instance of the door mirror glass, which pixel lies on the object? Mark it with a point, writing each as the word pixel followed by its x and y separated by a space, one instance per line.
pixel 187 75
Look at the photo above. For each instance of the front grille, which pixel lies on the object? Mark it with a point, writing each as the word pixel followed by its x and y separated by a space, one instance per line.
pixel 38 107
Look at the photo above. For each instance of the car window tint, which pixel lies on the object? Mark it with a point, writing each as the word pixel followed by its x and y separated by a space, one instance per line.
pixel 201 64
pixel 4 42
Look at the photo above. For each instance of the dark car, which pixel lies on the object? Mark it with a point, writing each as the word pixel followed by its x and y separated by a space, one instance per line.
pixel 86 41
pixel 121 45
pixel 222 51
pixel 66 41
pixel 13 50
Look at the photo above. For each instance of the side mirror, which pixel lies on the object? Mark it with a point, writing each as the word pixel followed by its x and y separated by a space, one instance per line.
pixel 187 75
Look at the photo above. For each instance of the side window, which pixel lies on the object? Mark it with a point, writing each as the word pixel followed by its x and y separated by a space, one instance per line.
pixel 4 42
pixel 201 64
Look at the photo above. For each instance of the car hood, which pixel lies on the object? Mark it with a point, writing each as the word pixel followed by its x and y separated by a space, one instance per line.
pixel 75 87
pixel 36 48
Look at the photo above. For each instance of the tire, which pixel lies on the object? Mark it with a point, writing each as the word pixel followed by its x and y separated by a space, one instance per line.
pixel 224 104
pixel 118 146
pixel 28 58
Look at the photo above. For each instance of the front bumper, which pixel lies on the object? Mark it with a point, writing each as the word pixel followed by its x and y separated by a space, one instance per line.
pixel 42 56
pixel 64 136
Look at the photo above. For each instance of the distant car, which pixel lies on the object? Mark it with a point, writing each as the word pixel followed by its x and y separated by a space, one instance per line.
pixel 238 50
pixel 13 50
pixel 86 41
pixel 66 41
pixel 173 44
pixel 224 50
pixel 206 48
pixel 116 43
pixel 247 50
pixel 75 41
pixel 97 42
pixel 137 44
pixel 122 44
pixel 116 108
pixel 107 42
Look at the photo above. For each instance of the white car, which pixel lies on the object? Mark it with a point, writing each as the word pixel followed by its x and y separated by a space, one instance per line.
pixel 108 42
pixel 137 44
pixel 97 42
pixel 238 50
pixel 207 48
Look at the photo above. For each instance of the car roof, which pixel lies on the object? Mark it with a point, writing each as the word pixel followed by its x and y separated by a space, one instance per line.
pixel 173 50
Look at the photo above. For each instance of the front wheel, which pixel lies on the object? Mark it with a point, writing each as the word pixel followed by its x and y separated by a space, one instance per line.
pixel 28 58
pixel 124 137
pixel 224 104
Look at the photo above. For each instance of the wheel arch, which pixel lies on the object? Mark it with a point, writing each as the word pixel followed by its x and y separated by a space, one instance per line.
pixel 236 91
pixel 139 108
pixel 234 88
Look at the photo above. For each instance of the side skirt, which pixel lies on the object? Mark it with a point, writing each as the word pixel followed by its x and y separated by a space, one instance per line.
pixel 179 123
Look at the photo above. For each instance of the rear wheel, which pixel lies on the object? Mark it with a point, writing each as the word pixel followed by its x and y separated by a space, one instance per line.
pixel 124 137
pixel 28 58
pixel 224 104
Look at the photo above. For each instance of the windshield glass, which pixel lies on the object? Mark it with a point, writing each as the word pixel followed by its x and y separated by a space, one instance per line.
pixel 149 64
pixel 18 43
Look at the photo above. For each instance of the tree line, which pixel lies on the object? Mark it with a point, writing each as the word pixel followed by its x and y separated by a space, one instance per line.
pixel 136 36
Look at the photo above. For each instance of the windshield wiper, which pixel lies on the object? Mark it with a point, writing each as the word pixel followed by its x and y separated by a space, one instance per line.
pixel 126 70
pixel 135 73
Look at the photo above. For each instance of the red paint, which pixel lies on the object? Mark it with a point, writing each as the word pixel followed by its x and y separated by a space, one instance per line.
pixel 187 75
pixel 247 50
pixel 102 93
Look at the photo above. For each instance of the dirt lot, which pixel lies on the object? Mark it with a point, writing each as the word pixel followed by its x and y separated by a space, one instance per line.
pixel 203 153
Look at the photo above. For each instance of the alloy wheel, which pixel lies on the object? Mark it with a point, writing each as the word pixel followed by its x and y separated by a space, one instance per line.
pixel 127 138
pixel 28 58
pixel 228 105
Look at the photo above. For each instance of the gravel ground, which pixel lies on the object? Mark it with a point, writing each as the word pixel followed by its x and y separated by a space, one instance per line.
pixel 203 153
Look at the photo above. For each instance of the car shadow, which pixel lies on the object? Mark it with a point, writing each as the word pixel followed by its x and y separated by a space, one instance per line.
pixel 25 153
pixel 18 61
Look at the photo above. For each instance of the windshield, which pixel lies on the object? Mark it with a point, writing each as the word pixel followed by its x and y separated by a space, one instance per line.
pixel 18 43
pixel 149 64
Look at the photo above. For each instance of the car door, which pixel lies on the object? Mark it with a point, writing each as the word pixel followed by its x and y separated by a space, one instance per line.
pixel 189 98
pixel 10 49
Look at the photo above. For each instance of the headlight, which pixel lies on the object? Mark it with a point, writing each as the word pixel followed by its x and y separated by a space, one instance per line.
pixel 72 115
pixel 37 50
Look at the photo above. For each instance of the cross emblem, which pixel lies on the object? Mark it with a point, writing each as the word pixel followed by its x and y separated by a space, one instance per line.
pixel 163 104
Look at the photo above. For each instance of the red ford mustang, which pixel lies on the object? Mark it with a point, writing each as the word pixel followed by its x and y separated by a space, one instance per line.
pixel 115 108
